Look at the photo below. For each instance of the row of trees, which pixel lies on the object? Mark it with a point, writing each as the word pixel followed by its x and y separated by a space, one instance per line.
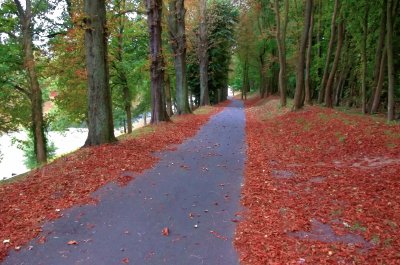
pixel 331 52
pixel 106 62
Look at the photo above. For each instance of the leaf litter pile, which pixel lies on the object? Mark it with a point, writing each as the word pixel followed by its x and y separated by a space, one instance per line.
pixel 70 180
pixel 321 187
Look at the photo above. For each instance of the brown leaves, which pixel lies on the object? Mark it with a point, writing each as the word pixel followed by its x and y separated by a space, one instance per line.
pixel 345 174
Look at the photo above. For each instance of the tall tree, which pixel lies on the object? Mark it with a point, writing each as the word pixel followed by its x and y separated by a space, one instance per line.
pixel 121 74
pixel 364 58
pixel 35 93
pixel 281 41
pixel 390 61
pixel 203 57
pixel 100 119
pixel 307 85
pixel 154 15
pixel 378 56
pixel 176 23
pixel 324 80
pixel 299 93
pixel 329 84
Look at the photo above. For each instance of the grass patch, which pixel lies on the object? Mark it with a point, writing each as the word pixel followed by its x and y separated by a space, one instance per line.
pixel 306 124
pixel 137 133
pixel 203 110
pixel 323 117
pixel 392 134
pixel 14 179
pixel 391 145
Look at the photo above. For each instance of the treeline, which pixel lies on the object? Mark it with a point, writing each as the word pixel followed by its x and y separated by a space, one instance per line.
pixel 105 63
pixel 333 52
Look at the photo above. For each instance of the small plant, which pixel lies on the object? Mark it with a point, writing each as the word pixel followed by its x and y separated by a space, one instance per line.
pixel 375 239
pixel 341 137
pixel 357 227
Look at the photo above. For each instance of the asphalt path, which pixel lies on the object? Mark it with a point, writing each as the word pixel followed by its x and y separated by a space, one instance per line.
pixel 181 211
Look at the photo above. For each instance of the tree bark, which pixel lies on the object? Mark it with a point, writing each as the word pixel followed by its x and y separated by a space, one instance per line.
pixel 203 56
pixel 329 84
pixel 39 139
pixel 298 96
pixel 154 15
pixel 281 39
pixel 364 58
pixel 324 80
pixel 389 47
pixel 378 56
pixel 307 85
pixel 168 95
pixel 100 119
pixel 176 23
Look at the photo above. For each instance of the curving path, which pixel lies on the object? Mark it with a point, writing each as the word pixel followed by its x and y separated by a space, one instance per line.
pixel 193 190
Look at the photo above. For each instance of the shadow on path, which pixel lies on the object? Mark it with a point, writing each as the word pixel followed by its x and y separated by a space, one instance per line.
pixel 194 191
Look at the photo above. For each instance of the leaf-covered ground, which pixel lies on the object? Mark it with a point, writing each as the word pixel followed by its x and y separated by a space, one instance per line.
pixel 26 204
pixel 321 187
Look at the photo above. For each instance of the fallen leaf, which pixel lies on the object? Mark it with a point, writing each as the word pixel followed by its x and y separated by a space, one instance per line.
pixel 72 242
pixel 165 231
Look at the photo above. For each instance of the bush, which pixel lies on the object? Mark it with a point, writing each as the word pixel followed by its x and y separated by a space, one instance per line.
pixel 28 147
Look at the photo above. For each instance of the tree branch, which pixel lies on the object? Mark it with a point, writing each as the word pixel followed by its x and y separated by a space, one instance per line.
pixel 22 90
pixel 21 13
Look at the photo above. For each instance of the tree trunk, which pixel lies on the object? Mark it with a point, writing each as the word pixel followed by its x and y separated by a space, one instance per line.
pixel 379 85
pixel 328 54
pixel 329 84
pixel 127 107
pixel 246 82
pixel 168 95
pixel 176 23
pixel 281 39
pixel 341 81
pixel 378 56
pixel 145 118
pixel 39 139
pixel 308 93
pixel 263 75
pixel 389 47
pixel 364 59
pixel 298 97
pixel 203 56
pixel 126 93
pixel 101 128
pixel 154 15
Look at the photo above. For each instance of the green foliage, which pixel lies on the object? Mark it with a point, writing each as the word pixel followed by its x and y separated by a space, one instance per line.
pixel 222 18
pixel 129 66
pixel 28 147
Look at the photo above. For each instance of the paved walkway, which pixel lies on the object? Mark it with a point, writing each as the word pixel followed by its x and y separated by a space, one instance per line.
pixel 194 191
